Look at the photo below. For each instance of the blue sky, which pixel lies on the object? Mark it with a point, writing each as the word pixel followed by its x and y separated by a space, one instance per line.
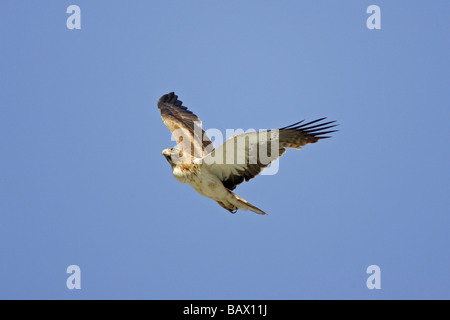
pixel 83 182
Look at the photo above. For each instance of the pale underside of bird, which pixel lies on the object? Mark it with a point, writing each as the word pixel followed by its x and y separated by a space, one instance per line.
pixel 214 173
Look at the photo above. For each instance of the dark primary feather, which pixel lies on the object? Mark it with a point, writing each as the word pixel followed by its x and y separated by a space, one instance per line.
pixel 299 135
pixel 169 105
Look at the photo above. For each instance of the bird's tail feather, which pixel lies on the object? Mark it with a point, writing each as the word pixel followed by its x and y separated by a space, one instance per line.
pixel 245 205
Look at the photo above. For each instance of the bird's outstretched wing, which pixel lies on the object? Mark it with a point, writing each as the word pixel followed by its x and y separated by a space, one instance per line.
pixel 244 156
pixel 185 127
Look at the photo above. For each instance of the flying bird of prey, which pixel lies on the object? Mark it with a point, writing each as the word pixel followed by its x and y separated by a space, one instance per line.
pixel 214 173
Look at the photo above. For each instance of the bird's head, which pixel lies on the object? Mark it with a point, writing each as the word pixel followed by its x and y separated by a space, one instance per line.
pixel 167 153
pixel 172 155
